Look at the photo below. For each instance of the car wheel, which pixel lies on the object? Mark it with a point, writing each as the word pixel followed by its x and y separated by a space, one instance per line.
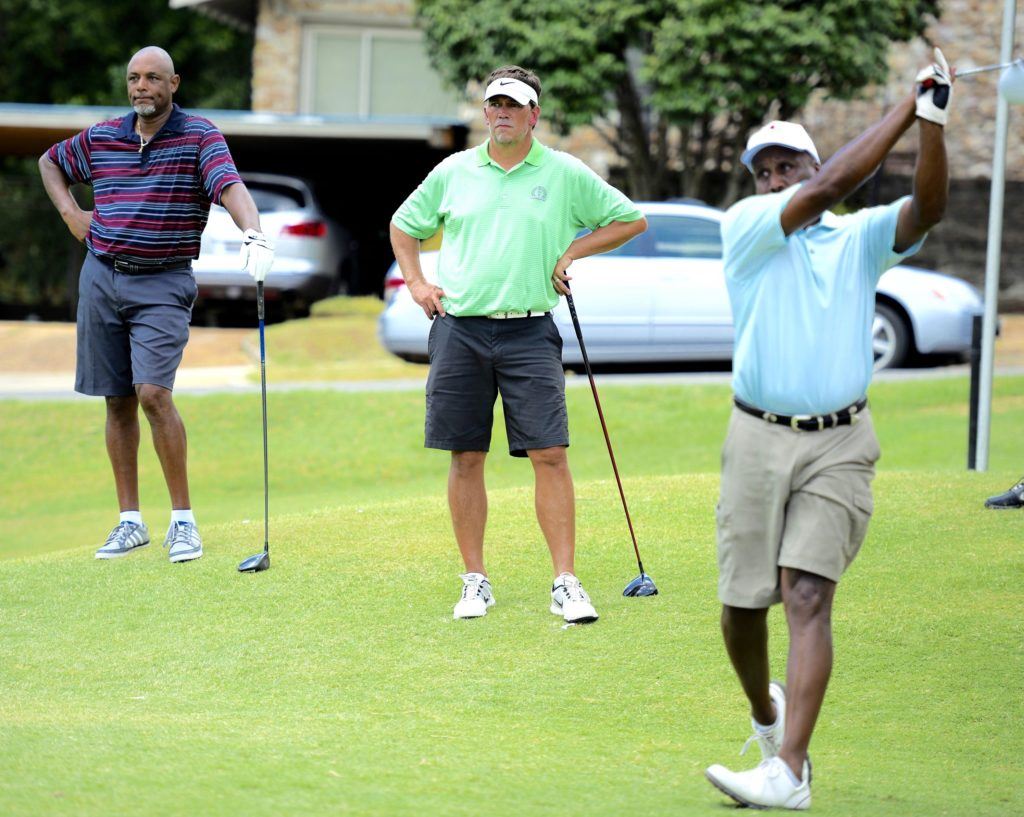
pixel 890 338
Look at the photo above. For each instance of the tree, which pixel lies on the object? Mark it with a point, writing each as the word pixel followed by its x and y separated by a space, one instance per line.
pixel 76 52
pixel 673 86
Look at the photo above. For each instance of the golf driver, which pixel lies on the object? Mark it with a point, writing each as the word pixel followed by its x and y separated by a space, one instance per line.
pixel 642 585
pixel 1011 83
pixel 261 561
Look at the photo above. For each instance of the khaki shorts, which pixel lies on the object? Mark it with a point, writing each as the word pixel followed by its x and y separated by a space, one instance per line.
pixel 792 499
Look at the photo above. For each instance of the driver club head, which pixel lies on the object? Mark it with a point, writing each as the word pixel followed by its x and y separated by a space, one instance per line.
pixel 642 585
pixel 254 564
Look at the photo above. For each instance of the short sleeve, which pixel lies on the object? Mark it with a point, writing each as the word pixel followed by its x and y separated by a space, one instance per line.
pixel 420 214
pixel 216 167
pixel 597 203
pixel 752 229
pixel 878 236
pixel 72 157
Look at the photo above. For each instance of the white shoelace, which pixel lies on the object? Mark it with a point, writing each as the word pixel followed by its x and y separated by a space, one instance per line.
pixel 121 532
pixel 472 587
pixel 574 590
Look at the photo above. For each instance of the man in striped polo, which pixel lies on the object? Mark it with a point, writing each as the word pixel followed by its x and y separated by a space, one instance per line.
pixel 511 210
pixel 154 173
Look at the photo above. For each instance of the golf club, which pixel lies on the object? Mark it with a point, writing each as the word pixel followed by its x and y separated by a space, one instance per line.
pixel 261 561
pixel 642 585
pixel 984 69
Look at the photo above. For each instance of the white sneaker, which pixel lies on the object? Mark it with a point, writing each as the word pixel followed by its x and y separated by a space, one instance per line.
pixel 123 539
pixel 476 596
pixel 769 785
pixel 770 739
pixel 570 600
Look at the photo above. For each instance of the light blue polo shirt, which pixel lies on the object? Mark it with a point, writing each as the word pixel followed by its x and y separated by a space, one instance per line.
pixel 803 305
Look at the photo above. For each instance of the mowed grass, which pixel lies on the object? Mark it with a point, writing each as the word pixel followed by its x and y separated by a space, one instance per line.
pixel 337 683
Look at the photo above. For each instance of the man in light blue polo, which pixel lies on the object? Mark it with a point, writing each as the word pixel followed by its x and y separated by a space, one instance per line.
pixel 511 209
pixel 799 455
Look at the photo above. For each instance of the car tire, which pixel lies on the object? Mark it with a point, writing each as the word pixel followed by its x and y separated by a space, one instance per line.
pixel 890 338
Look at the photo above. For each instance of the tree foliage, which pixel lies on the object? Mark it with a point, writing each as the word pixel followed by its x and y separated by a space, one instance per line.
pixel 76 52
pixel 674 86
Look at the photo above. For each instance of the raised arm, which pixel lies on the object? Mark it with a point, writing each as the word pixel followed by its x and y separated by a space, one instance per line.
pixel 849 168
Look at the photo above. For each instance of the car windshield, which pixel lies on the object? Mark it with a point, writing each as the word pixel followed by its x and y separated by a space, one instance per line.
pixel 275 199
pixel 675 237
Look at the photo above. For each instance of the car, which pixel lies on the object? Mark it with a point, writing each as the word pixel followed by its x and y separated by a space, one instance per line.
pixel 312 253
pixel 661 298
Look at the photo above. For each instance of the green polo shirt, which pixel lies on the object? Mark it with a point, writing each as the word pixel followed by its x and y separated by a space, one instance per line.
pixel 504 230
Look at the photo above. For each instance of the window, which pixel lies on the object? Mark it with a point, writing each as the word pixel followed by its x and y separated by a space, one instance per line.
pixel 675 237
pixel 369 73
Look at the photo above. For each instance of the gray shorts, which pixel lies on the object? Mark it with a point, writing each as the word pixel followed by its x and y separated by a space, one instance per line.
pixel 792 499
pixel 472 360
pixel 132 329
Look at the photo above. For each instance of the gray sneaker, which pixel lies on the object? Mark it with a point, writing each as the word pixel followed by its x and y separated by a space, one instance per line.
pixel 184 541
pixel 123 539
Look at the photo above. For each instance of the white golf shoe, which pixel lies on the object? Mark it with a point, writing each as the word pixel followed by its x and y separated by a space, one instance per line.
pixel 769 739
pixel 769 785
pixel 476 596
pixel 570 600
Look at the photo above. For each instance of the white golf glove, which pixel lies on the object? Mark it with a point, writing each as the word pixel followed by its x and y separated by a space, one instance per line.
pixel 257 255
pixel 935 91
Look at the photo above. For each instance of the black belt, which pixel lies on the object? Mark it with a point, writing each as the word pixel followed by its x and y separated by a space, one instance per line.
pixel 807 422
pixel 134 268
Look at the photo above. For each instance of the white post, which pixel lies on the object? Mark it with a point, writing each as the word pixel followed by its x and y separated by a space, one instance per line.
pixel 992 253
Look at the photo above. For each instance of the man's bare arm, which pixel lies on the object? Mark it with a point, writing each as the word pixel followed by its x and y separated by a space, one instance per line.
pixel 600 240
pixel 58 188
pixel 848 169
pixel 407 253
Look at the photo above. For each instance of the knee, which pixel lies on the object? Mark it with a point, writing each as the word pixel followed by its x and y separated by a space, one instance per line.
pixel 156 401
pixel 467 463
pixel 555 457
pixel 122 410
pixel 738 621
pixel 809 598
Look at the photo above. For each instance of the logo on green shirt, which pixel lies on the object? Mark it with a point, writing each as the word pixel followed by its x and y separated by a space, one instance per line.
pixel 539 193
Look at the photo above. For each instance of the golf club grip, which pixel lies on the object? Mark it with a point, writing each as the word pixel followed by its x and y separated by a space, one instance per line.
pixel 263 395
pixel 604 427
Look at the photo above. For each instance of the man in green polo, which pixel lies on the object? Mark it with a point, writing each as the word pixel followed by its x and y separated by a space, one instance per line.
pixel 511 210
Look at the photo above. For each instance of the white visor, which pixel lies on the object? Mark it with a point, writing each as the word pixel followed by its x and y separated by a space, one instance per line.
pixel 513 89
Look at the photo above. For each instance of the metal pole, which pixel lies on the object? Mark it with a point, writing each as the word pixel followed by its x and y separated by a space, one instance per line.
pixel 992 253
pixel 972 428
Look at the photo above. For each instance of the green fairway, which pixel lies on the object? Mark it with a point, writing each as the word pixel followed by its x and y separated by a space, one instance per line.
pixel 337 683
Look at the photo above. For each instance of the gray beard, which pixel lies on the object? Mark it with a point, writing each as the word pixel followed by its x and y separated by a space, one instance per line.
pixel 144 110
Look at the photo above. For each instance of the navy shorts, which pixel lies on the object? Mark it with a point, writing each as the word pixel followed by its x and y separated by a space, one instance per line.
pixel 132 329
pixel 472 360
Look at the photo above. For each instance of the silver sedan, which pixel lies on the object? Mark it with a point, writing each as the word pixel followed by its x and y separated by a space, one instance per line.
pixel 676 307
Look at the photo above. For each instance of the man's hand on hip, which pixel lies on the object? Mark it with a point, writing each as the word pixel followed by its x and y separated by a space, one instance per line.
pixel 428 296
pixel 560 277
pixel 78 223
pixel 935 91
pixel 257 255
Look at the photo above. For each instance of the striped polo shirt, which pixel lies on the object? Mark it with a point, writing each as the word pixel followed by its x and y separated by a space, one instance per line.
pixel 151 202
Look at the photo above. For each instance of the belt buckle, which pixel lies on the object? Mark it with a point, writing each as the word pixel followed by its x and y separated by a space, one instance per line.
pixel 799 418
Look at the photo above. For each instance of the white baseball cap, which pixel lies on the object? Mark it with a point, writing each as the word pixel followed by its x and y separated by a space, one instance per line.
pixel 778 134
pixel 513 89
